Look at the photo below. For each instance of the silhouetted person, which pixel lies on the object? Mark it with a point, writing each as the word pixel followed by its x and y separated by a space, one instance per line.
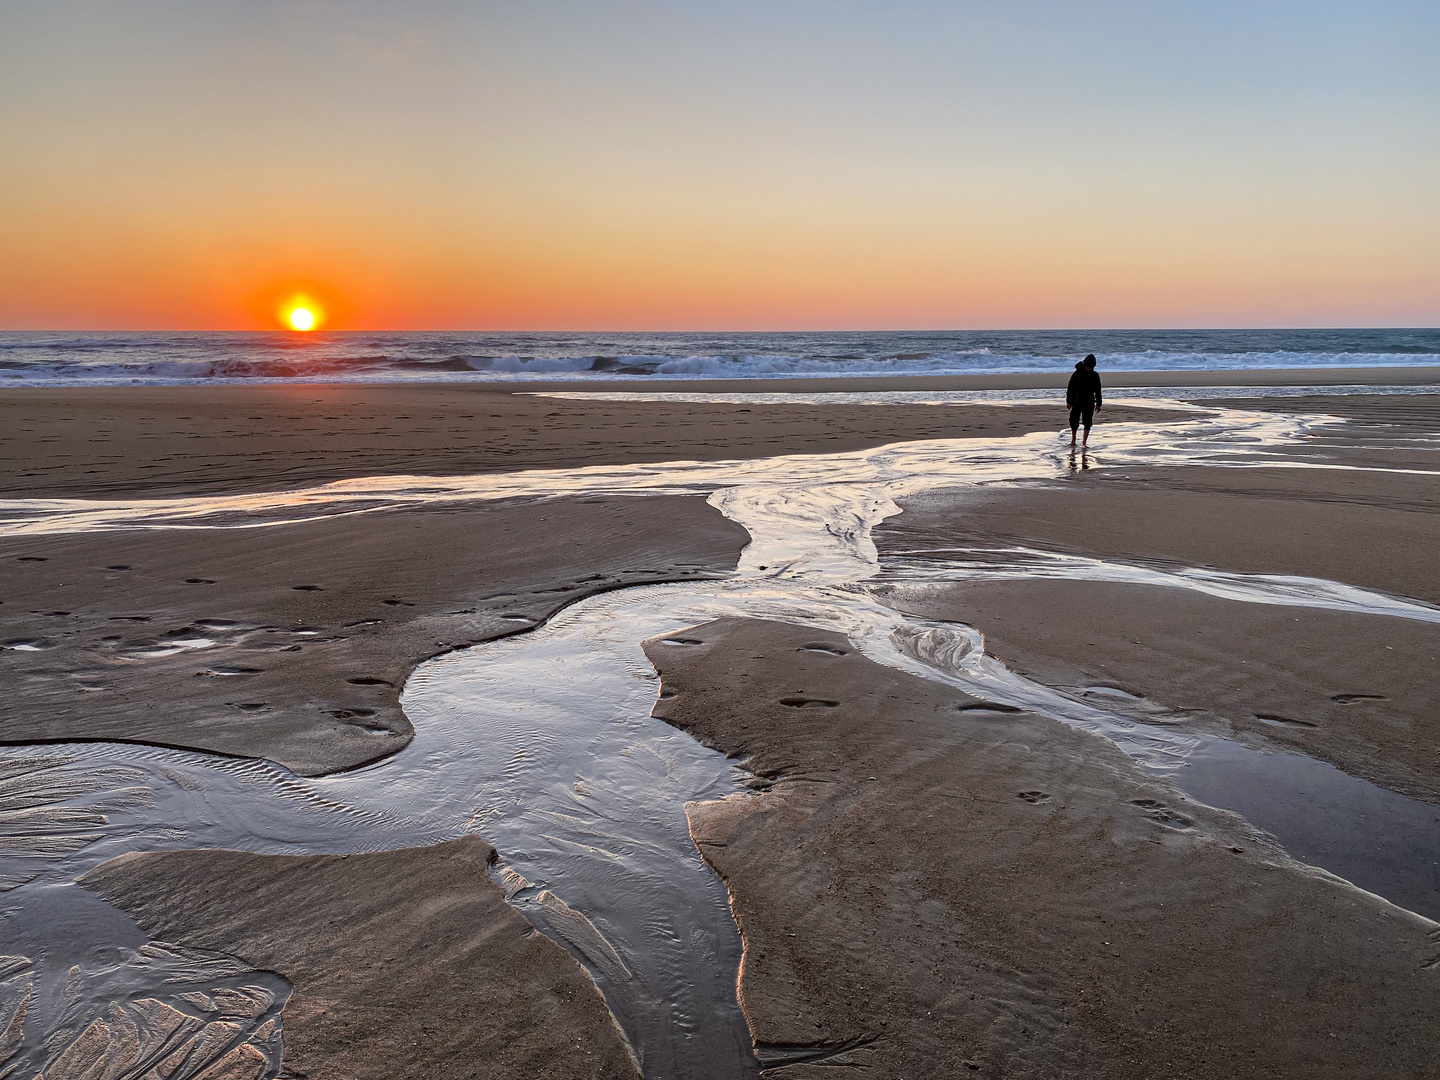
pixel 1082 397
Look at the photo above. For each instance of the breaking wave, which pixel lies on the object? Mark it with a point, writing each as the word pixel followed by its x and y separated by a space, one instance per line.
pixel 368 357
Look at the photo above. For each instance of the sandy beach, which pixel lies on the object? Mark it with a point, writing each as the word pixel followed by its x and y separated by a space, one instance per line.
pixel 931 889
pixel 109 442
pixel 927 883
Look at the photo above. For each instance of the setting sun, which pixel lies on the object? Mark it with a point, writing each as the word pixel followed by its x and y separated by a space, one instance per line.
pixel 300 313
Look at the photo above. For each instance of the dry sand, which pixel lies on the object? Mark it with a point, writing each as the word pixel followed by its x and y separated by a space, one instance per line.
pixel 931 892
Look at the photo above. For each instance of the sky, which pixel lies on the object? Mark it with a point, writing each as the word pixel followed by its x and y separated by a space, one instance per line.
pixel 785 164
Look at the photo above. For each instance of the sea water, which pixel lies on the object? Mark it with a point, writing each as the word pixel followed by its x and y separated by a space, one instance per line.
pixel 90 358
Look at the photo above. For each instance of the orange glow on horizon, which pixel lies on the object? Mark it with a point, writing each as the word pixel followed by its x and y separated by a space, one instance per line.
pixel 417 167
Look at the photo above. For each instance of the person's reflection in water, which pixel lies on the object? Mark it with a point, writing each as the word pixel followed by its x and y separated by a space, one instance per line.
pixel 1082 463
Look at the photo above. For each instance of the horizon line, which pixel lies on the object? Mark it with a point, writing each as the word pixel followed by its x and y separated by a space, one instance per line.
pixel 816 330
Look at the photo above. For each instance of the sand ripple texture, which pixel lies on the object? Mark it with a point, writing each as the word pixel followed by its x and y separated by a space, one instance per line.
pixel 544 743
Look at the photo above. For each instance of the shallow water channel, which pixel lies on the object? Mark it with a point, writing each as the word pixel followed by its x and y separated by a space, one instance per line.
pixel 544 744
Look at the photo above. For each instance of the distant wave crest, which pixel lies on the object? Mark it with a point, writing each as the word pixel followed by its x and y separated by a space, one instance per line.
pixel 98 359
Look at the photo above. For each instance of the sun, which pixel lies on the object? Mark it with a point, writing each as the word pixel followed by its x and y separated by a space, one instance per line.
pixel 301 313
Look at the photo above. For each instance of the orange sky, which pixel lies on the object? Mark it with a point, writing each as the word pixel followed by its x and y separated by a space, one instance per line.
pixel 606 166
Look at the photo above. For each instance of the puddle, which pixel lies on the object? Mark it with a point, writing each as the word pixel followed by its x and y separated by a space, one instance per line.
pixel 1149 396
pixel 1373 837
pixel 1110 691
pixel 543 742
pixel 546 741
pixel 76 962
pixel 206 1013
pixel 171 648
pixel 1017 563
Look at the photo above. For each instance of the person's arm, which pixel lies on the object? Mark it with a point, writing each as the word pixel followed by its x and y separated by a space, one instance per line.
pixel 1070 390
pixel 1097 390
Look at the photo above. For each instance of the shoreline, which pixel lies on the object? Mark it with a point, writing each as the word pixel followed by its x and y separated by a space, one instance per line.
pixel 1393 375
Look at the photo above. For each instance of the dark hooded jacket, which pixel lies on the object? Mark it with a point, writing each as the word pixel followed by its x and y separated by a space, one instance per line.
pixel 1084 389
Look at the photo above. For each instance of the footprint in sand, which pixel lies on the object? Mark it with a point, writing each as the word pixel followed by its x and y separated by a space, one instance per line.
pixel 1161 814
pixel 1111 692
pixel 27 645
pixel 1276 718
pixel 808 703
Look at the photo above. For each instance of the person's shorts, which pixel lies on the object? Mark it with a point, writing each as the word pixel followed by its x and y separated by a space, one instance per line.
pixel 1082 415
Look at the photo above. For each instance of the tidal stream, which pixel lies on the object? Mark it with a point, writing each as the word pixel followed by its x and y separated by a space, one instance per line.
pixel 544 744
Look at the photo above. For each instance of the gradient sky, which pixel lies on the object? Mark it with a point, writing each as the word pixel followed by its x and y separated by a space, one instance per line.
pixel 779 164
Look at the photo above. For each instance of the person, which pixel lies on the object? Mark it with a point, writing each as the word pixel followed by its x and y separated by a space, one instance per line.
pixel 1082 397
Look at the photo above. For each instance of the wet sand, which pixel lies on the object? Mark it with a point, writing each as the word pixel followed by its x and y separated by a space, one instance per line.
pixel 1005 897
pixel 317 626
pixel 1355 690
pixel 930 890
pixel 292 643
pixel 116 442
pixel 402 963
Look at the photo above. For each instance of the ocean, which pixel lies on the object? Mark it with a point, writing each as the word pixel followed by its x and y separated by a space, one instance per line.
pixel 91 359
